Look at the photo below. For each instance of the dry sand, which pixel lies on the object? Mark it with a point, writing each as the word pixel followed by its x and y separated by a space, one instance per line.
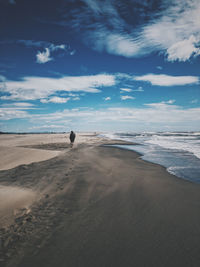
pixel 98 206
pixel 19 149
pixel 12 201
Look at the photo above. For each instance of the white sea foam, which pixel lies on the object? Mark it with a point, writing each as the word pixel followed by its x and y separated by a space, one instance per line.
pixel 110 136
pixel 187 143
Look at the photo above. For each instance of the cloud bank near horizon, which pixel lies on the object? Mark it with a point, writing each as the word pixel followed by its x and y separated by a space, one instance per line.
pixel 152 115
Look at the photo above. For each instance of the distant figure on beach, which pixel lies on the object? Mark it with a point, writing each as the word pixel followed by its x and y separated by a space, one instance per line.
pixel 72 138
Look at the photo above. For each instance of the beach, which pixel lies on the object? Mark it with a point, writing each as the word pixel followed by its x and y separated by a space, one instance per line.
pixel 92 205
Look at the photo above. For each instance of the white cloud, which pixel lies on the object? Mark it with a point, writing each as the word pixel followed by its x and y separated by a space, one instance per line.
pixel 120 45
pixel 125 97
pixel 107 98
pixel 23 104
pixel 126 90
pixel 139 89
pixel 72 95
pixel 173 30
pixel 55 99
pixel 49 49
pixel 31 88
pixel 183 50
pixel 19 105
pixel 12 113
pixel 162 105
pixel 167 80
pixel 76 98
pixel 177 31
pixel 43 57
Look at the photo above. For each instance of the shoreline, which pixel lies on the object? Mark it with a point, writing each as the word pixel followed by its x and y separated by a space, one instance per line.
pixel 142 156
pixel 96 200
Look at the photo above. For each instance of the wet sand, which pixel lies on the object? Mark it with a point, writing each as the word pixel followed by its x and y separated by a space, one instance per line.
pixel 100 206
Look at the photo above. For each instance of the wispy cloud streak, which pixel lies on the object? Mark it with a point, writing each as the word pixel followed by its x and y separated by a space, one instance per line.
pixel 125 97
pixel 55 99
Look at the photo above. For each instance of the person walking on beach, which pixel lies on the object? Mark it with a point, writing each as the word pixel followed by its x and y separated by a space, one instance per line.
pixel 72 138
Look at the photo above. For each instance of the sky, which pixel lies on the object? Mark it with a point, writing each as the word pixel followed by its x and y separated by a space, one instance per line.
pixel 99 65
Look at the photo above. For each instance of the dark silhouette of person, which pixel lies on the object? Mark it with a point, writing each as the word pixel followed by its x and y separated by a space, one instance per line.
pixel 72 137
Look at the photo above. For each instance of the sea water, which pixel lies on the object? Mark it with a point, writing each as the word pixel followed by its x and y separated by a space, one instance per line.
pixel 179 152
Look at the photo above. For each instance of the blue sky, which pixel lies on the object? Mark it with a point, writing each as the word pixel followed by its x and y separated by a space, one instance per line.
pixel 99 65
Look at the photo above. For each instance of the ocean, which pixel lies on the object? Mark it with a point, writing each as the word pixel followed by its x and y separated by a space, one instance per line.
pixel 179 152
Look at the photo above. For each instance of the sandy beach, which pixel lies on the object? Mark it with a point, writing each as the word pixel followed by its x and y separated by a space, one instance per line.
pixel 92 205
